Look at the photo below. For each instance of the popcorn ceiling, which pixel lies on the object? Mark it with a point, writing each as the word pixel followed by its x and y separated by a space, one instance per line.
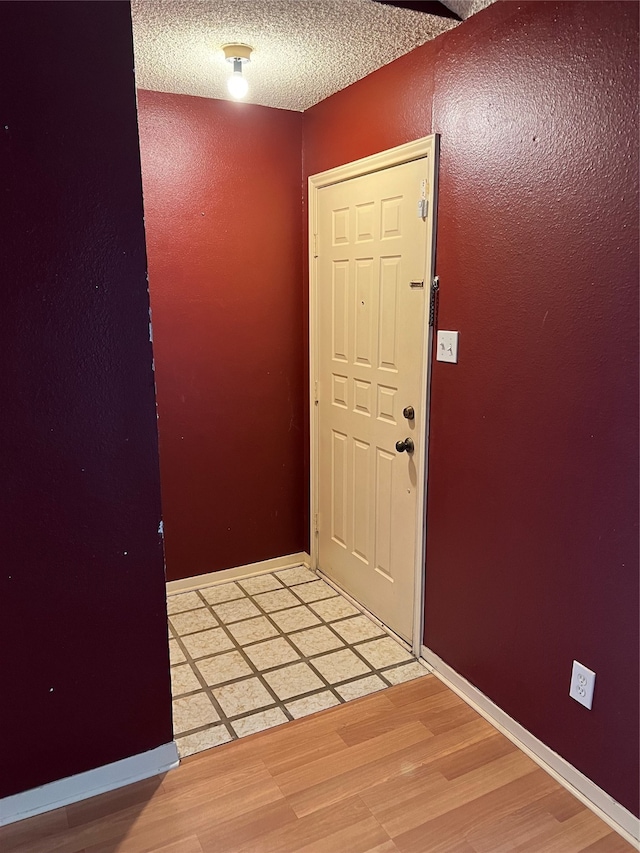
pixel 304 50
pixel 466 8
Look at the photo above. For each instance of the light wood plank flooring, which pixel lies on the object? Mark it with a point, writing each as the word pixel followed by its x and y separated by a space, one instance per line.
pixel 411 769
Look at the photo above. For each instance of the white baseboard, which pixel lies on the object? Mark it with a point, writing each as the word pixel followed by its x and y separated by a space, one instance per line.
pixel 89 784
pixel 615 815
pixel 239 572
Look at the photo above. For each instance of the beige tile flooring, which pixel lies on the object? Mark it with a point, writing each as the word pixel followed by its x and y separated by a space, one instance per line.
pixel 251 654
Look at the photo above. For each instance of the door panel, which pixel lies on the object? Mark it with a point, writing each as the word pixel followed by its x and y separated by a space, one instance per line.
pixel 371 364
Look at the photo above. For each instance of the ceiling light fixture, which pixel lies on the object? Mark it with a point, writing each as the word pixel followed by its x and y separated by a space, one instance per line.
pixel 238 54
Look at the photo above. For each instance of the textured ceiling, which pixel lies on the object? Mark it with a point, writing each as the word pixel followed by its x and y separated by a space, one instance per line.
pixel 304 50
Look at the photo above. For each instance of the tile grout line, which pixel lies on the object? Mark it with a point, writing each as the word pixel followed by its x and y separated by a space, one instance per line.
pixel 302 658
pixel 207 690
pixel 255 672
pixel 284 635
pixel 226 719
pixel 328 685
pixel 239 648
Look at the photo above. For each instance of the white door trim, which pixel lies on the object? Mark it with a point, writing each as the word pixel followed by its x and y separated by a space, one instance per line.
pixel 427 146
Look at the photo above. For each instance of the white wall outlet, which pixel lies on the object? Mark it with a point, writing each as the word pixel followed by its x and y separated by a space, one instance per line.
pixel 447 347
pixel 583 680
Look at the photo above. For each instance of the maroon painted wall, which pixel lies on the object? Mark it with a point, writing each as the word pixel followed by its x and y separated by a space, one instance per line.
pixel 222 209
pixel 532 551
pixel 85 667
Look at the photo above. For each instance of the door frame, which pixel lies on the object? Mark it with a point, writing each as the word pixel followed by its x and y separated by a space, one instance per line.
pixel 424 147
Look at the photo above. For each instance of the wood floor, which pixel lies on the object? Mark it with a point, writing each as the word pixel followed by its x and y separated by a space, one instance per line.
pixel 410 769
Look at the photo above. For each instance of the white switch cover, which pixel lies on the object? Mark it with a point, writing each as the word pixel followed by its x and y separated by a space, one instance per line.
pixel 448 347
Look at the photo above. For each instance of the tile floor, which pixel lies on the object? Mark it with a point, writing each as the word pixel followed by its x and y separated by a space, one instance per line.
pixel 255 653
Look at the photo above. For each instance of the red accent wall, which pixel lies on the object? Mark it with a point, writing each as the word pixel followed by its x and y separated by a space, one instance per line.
pixel 532 551
pixel 222 191
pixel 85 667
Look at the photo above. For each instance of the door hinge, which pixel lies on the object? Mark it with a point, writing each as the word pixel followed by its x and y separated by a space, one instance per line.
pixel 315 392
pixel 315 524
pixel 423 203
pixel 435 286
pixel 315 245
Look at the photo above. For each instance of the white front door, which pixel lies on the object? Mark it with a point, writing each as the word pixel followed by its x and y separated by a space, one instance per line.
pixel 372 295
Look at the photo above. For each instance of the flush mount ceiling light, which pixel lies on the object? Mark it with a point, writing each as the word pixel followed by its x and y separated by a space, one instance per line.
pixel 238 54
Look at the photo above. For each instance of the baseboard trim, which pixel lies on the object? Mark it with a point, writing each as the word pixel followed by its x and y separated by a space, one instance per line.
pixel 609 810
pixel 290 561
pixel 54 795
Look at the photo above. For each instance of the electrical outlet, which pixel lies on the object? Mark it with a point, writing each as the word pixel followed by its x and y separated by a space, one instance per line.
pixel 583 680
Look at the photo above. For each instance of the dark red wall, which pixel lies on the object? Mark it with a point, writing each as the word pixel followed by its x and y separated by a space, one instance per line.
pixel 85 668
pixel 532 541
pixel 222 191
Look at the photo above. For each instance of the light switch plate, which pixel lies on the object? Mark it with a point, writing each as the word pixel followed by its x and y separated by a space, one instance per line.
pixel 447 347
